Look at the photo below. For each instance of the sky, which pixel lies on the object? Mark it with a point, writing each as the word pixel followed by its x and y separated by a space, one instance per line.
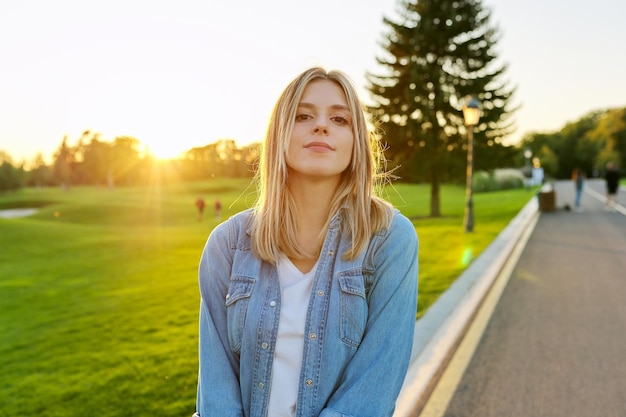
pixel 185 73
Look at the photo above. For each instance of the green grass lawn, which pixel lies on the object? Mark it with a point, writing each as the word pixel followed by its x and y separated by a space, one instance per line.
pixel 99 298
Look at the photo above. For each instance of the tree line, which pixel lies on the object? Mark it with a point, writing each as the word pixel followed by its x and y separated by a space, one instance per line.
pixel 434 55
pixel 121 161
pixel 588 143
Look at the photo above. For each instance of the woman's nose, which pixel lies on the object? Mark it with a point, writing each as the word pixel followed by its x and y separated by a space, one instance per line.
pixel 321 128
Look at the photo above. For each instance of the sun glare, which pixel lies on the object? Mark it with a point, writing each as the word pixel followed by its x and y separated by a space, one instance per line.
pixel 164 150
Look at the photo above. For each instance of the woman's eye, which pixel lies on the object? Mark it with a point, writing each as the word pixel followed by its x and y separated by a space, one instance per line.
pixel 302 117
pixel 340 120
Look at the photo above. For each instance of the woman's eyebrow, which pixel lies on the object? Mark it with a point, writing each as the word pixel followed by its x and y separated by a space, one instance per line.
pixel 334 106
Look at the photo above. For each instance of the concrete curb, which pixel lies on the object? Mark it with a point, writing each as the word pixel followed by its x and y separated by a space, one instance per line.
pixel 439 329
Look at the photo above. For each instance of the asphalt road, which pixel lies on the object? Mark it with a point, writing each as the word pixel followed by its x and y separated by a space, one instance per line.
pixel 555 345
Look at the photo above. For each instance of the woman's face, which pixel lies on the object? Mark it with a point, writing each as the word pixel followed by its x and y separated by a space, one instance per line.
pixel 322 140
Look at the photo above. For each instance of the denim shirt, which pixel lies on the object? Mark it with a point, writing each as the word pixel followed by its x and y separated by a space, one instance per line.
pixel 358 334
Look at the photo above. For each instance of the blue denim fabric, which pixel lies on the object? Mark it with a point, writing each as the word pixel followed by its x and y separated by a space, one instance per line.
pixel 361 318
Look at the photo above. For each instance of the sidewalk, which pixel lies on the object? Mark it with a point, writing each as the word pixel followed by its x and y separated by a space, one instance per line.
pixel 438 330
pixel 554 345
pixel 568 254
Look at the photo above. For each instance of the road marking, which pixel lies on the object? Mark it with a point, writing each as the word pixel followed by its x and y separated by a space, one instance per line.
pixel 618 207
pixel 446 386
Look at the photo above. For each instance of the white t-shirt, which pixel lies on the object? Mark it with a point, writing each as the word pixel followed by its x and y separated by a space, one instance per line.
pixel 295 293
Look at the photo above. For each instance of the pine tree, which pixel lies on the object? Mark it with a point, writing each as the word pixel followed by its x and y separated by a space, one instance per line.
pixel 438 54
pixel 64 161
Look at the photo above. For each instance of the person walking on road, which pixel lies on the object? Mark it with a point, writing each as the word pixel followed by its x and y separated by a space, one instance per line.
pixel 578 175
pixel 612 184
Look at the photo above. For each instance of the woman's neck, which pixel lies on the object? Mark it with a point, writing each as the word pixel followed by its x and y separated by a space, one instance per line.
pixel 312 201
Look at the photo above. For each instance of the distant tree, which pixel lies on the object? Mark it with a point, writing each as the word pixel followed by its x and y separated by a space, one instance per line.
pixel 11 177
pixel 548 160
pixel 5 157
pixel 220 159
pixel 576 147
pixel 39 174
pixel 231 158
pixel 96 161
pixel 203 162
pixel 589 143
pixel 64 164
pixel 436 54
pixel 610 135
pixel 124 160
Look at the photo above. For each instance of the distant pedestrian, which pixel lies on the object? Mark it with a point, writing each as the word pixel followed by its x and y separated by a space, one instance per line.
pixel 200 204
pixel 218 209
pixel 612 184
pixel 578 175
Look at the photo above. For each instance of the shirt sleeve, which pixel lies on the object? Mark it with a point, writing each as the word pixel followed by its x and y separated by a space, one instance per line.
pixel 219 391
pixel 379 367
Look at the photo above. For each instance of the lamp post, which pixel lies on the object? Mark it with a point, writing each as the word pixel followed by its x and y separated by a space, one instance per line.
pixel 527 154
pixel 528 171
pixel 471 114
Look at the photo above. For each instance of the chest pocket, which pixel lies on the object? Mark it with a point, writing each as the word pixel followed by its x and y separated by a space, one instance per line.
pixel 237 300
pixel 353 306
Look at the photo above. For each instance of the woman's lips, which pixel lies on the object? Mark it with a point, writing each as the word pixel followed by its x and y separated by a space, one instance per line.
pixel 322 146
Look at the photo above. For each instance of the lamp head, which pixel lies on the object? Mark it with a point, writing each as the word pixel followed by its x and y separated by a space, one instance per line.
pixel 471 111
pixel 528 153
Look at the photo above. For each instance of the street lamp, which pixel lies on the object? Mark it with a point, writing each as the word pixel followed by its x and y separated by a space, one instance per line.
pixel 528 171
pixel 527 154
pixel 471 114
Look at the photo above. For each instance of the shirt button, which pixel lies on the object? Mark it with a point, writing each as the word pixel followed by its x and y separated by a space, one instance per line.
pixel 330 253
pixel 227 296
pixel 261 385
pixel 312 336
pixel 264 345
pixel 320 293
pixel 309 383
pixel 272 303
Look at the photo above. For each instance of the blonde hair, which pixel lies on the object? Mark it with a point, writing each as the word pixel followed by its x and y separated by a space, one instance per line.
pixel 365 214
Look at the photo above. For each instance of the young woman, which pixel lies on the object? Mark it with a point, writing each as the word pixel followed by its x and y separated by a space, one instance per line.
pixel 308 300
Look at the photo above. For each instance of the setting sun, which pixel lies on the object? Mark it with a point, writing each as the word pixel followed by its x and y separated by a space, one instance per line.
pixel 164 149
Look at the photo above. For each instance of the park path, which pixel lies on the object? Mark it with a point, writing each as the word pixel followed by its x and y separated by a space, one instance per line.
pixel 15 213
pixel 555 345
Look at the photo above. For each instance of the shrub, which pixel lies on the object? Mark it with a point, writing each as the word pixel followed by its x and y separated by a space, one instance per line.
pixel 499 179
